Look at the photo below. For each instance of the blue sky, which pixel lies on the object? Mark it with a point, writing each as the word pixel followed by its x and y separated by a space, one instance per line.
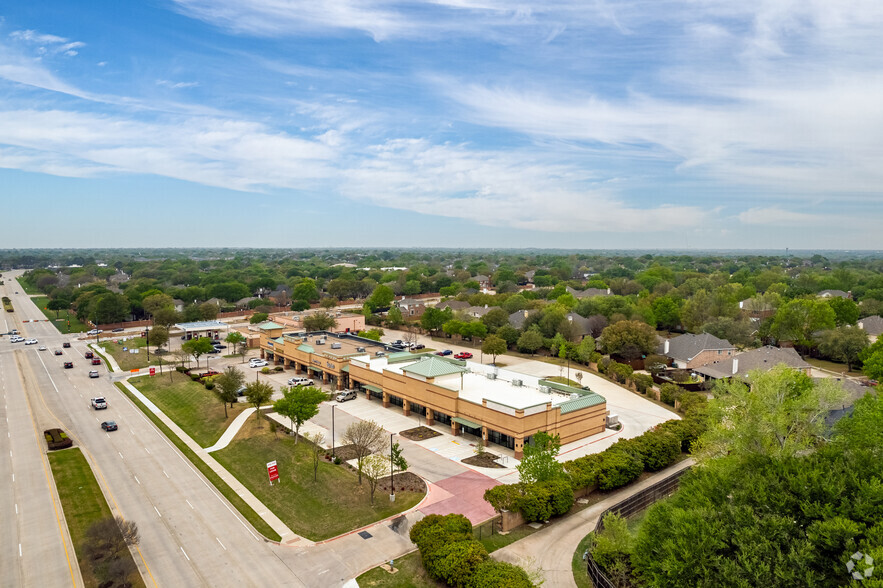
pixel 458 123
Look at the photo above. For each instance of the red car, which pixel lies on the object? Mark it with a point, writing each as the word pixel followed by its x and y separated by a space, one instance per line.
pixel 463 355
pixel 96 361
pixel 89 355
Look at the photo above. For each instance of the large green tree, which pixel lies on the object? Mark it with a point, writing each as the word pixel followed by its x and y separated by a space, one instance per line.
pixel 540 463
pixel 844 344
pixel 630 339
pixel 197 347
pixel 258 394
pixel 798 320
pixel 227 386
pixel 493 346
pixel 299 404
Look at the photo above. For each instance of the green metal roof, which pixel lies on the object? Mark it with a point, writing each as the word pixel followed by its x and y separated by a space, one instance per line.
pixel 399 355
pixel 315 369
pixel 582 402
pixel 564 388
pixel 432 367
pixel 373 388
pixel 466 422
pixel 345 368
pixel 305 347
pixel 279 340
pixel 271 325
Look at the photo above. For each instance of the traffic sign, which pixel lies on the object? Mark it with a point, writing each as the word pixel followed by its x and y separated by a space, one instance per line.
pixel 152 371
pixel 272 471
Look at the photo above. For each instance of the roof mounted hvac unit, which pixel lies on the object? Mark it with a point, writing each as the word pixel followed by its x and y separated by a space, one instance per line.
pixel 491 376
pixel 516 382
pixel 544 389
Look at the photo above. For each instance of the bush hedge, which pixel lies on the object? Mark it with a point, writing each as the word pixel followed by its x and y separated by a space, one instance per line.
pixel 668 393
pixel 499 574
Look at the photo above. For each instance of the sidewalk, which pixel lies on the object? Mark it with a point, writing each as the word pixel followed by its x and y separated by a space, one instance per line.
pixel 551 549
pixel 288 537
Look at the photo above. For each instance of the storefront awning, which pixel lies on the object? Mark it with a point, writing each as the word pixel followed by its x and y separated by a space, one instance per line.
pixel 315 369
pixel 373 388
pixel 466 423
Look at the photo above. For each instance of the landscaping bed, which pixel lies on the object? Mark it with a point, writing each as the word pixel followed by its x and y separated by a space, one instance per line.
pixel 485 460
pixel 57 439
pixel 332 505
pixel 193 408
pixel 419 433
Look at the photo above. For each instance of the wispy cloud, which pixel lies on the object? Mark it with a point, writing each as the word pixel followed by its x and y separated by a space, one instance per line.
pixel 176 85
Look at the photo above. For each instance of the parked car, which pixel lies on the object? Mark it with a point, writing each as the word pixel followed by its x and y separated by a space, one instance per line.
pixel 68 365
pixel 379 353
pixel 94 332
pixel 66 345
pixel 444 352
pixel 258 363
pixel 93 373
pixel 463 355
pixel 118 330
pixel 89 355
pixel 300 381
pixel 419 346
pixel 109 426
pixel 346 395
pixel 58 352
pixel 241 392
pixel 215 350
pixel 96 361
pixel 220 346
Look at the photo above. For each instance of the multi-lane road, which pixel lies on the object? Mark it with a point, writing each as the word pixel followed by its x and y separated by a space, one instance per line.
pixel 190 536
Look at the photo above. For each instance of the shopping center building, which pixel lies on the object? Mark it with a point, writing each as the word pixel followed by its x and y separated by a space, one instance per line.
pixel 495 405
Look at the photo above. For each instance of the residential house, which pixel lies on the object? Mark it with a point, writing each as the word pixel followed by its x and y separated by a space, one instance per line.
pixel 410 307
pixel 872 325
pixel 690 351
pixel 454 305
pixel 764 358
pixel 581 325
pixel 528 275
pixel 484 282
pixel 834 294
pixel 217 301
pixel 518 318
pixel 179 304
pixel 281 294
pixel 478 311
pixel 242 303
pixel 588 292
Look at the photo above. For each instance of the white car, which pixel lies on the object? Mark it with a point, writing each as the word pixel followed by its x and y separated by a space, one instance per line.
pixel 31 342
pixel 300 381
pixel 258 363
pixel 42 348
pixel 94 332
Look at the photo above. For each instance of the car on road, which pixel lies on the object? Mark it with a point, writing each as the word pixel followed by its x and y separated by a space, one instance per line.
pixel 463 355
pixel 31 342
pixel 13 332
pixel 118 330
pixel 96 361
pixel 418 346
pixel 258 363
pixel 89 355
pixel 444 352
pixel 300 381
pixel 66 345
pixel 58 352
pixel 68 365
pixel 41 348
pixel 241 392
pixel 94 332
pixel 99 403
pixel 109 426
pixel 93 373
pixel 16 339
pixel 219 346
pixel 346 395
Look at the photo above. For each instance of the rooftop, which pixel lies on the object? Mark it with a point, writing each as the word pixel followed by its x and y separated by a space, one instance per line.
pixel 201 325
pixel 309 342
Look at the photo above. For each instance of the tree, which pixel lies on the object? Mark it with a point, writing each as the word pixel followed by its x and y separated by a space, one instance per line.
pixel 227 386
pixel 156 302
pixel 495 318
pixel 258 317
pixel 319 321
pixel 258 394
pixel 433 319
pixel 493 346
pixel 739 332
pixel 509 334
pixel 197 347
pixel 374 467
pixel 381 298
pixel 373 334
pixel 394 317
pixel 316 450
pixel 236 339
pixel 844 344
pixel 159 336
pixel 299 404
pixel 208 311
pixel 110 308
pixel 846 312
pixel 58 304
pixel 530 341
pixel 630 339
pixel 539 463
pixel 366 437
pixel 306 291
pixel 799 319
pixel 780 412
pixel 166 317
pixel 584 351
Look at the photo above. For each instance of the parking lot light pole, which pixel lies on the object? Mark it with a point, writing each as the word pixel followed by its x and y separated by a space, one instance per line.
pixel 333 406
pixel 392 472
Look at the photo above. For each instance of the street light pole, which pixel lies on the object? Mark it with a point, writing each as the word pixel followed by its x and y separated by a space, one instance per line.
pixel 392 471
pixel 333 454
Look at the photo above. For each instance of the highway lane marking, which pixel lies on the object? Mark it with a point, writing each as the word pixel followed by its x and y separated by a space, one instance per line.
pixel 136 479
pixel 188 504
pixel 185 554
pixel 222 545
pixel 167 476
pixel 157 512
pixel 16 509
pixel 19 549
pixel 322 572
pixel 121 455
pixel 147 450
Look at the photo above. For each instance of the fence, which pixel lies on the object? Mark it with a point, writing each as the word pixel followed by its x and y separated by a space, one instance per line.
pixel 631 505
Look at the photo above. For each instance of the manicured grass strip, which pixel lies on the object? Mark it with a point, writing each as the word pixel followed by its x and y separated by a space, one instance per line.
pixel 495 541
pixel 127 361
pixel 189 404
pixel 332 505
pixel 83 504
pixel 64 316
pixel 410 575
pixel 238 503
pixel 578 564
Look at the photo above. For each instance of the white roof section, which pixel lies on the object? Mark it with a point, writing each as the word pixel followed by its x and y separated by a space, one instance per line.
pixel 475 385
pixel 201 325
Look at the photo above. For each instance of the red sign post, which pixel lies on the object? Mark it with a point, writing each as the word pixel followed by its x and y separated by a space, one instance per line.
pixel 152 371
pixel 272 472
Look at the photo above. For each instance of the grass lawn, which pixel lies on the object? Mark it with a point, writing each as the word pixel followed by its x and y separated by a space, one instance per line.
pixel 580 575
pixel 333 505
pixel 128 361
pixel 495 541
pixel 565 381
pixel 831 366
pixel 63 317
pixel 410 575
pixel 238 503
pixel 83 504
pixel 189 404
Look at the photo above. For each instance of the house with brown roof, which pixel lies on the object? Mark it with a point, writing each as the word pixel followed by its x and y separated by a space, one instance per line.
pixel 454 305
pixel 764 358
pixel 410 307
pixel 690 351
pixel 872 325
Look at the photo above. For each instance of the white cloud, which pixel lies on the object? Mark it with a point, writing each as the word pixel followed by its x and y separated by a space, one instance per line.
pixel 776 216
pixel 32 36
pixel 176 85
pixel 501 189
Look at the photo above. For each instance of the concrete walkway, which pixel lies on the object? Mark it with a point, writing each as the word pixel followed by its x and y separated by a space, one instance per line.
pixel 231 431
pixel 551 549
pixel 288 537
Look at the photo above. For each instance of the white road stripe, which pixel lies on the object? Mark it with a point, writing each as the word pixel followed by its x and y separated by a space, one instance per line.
pixel 167 476
pixel 160 516
pixel 222 545
pixel 121 455
pixel 136 479
pixel 188 504
pixel 185 554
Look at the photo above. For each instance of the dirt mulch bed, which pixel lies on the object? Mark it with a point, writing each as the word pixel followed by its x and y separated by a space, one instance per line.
pixel 419 433
pixel 344 452
pixel 485 460
pixel 403 481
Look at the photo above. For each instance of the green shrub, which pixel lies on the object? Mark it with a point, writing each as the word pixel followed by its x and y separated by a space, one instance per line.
pixel 692 402
pixel 618 468
pixel 278 368
pixel 194 377
pixel 668 393
pixel 258 317
pixel 658 449
pixel 299 305
pixel 455 562
pixel 499 574
pixel 687 430
pixel 619 372
pixel 503 497
pixel 643 382
pixel 535 503
pixel 180 369
pixel 560 495
pixel 594 357
pixel 209 385
pixel 583 471
pixel 265 370
pixel 613 546
pixel 604 364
